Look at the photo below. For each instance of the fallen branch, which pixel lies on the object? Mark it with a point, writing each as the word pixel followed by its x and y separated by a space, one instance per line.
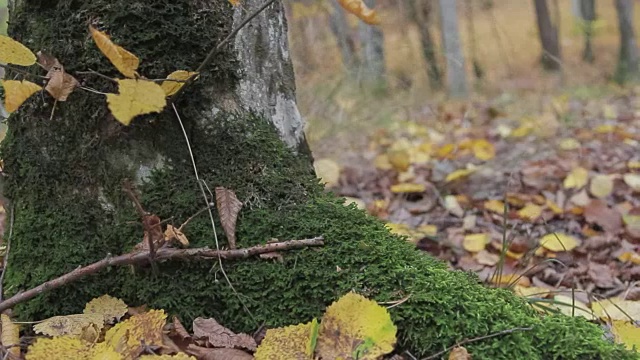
pixel 162 254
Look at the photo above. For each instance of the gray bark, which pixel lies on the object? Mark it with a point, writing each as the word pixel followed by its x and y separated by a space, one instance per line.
pixel 551 56
pixel 372 56
pixel 268 84
pixel 420 14
pixel 342 32
pixel 628 58
pixel 588 16
pixel 456 69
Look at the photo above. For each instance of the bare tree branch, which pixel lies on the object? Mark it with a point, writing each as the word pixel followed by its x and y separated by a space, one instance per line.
pixel 163 254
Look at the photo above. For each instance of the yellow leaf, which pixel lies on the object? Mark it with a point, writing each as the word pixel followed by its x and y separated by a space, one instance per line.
pixel 290 342
pixel 569 144
pixel 475 242
pixel 557 242
pixel 360 9
pixel 617 309
pixel 399 159
pixel 609 112
pixel 327 170
pixel 495 206
pixel 234 2
pixel 460 173
pixel 130 336
pixel 633 180
pixel 633 164
pixel 355 327
pixel 572 307
pixel 508 279
pixel 381 162
pixel 13 52
pixel 62 347
pixel 577 178
pixel 531 292
pixel 408 188
pixel 126 62
pixel 453 206
pixel 601 186
pixel 530 211
pixel 16 92
pixel 10 337
pixel 605 129
pixel 112 309
pixel 626 333
pixel 504 130
pixel 445 150
pixel 69 325
pixel 483 150
pixel 171 87
pixel 554 207
pixel 178 356
pixel 136 97
pixel 629 256
pixel 522 131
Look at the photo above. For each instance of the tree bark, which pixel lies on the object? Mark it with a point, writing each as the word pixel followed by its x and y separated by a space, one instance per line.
pixel 588 16
pixel 628 67
pixel 551 56
pixel 420 13
pixel 342 33
pixel 456 69
pixel 373 69
pixel 64 175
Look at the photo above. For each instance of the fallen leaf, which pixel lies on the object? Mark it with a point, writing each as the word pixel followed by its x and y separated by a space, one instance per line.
pixel 558 242
pixel 13 52
pixel 126 62
pixel 408 188
pixel 459 353
pixel 328 170
pixel 228 208
pixel 219 336
pixel 627 333
pixel 598 212
pixel 16 92
pixel 572 307
pixel 577 178
pixel 10 336
pixel 360 9
pixel 111 308
pixel 204 353
pixel 452 205
pixel 71 325
pixel 601 186
pixel 617 309
pixel 633 180
pixel 569 144
pixel 495 206
pixel 475 242
pixel 486 258
pixel 136 97
pixel 172 233
pixel 171 87
pixel 399 159
pixel 483 149
pixel 459 174
pixel 530 212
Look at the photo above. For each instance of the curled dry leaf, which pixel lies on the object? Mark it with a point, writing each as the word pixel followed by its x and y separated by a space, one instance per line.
pixel 459 353
pixel 217 335
pixel 60 84
pixel 228 207
pixel 360 9
pixel 174 234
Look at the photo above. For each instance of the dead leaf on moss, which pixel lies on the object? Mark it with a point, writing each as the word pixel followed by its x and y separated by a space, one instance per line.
pixel 125 337
pixel 111 308
pixel 60 84
pixel 204 353
pixel 598 212
pixel 174 234
pixel 69 325
pixel 228 208
pixel 217 335
pixel 286 343
pixel 459 353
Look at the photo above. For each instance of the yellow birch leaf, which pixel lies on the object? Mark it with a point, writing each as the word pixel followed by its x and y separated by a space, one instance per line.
pixel 234 2
pixel 360 9
pixel 601 186
pixel 16 92
pixel 572 307
pixel 633 164
pixel 69 325
pixel 399 159
pixel 136 97
pixel 627 333
pixel 569 144
pixel 531 292
pixel 633 180
pixel 558 242
pixel 577 178
pixel 530 212
pixel 381 162
pixel 112 309
pixel 408 188
pixel 522 131
pixel 61 347
pixel 475 242
pixel 125 337
pixel 172 87
pixel 290 342
pixel 483 149
pixel 126 62
pixel 327 170
pixel 457 174
pixel 355 327
pixel 495 206
pixel 10 337
pixel 13 52
pixel 554 207
pixel 629 256
pixel 617 309
pixel 605 129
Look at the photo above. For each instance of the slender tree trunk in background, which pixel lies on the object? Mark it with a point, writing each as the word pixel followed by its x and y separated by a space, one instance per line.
pixel 551 55
pixel 373 68
pixel 471 34
pixel 420 13
pixel 588 16
pixel 456 69
pixel 342 32
pixel 628 58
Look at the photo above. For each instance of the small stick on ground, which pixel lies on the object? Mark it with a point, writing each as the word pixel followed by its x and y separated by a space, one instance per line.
pixel 467 341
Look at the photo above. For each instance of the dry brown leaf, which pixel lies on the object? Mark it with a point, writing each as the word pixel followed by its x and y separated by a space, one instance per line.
pixel 360 9
pixel 459 353
pixel 172 233
pixel 219 336
pixel 218 354
pixel 228 209
pixel 60 84
pixel 597 212
pixel 179 329
pixel 10 336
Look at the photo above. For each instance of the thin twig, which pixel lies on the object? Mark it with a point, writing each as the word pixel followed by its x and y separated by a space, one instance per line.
pixel 5 260
pixel 206 201
pixel 20 71
pixel 467 341
pixel 92 90
pixel 213 51
pixel 191 218
pixel 93 72
pixel 163 254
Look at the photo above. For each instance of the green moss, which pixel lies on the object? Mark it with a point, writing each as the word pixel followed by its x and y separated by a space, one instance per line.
pixel 64 176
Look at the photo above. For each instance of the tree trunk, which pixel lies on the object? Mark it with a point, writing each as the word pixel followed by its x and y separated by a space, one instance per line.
pixel 588 16
pixel 420 13
pixel 342 32
pixel 456 69
pixel 64 175
pixel 551 57
pixel 372 44
pixel 628 58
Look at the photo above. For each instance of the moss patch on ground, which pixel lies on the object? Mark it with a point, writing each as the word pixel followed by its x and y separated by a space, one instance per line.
pixel 64 176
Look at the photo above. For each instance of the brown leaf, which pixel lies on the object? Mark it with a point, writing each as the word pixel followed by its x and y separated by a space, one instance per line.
pixel 597 212
pixel 219 336
pixel 602 276
pixel 203 353
pixel 459 353
pixel 60 84
pixel 179 329
pixel 228 208
pixel 172 233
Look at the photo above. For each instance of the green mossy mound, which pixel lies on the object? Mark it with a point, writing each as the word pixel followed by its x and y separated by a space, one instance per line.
pixel 64 176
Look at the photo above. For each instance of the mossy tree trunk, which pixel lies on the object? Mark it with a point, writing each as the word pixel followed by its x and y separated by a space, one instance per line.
pixel 64 178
